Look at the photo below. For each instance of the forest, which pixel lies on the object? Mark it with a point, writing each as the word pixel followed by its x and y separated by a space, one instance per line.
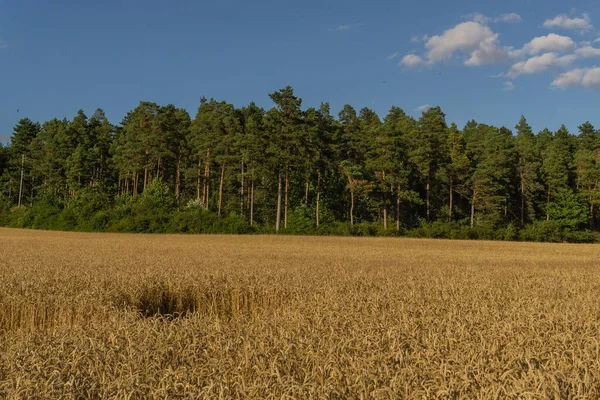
pixel 301 171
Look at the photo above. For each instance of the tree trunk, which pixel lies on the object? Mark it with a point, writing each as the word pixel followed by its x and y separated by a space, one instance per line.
pixel 145 177
pixel 285 212
pixel 178 177
pixel 101 169
pixel 146 169
pixel 318 197
pixel 351 187
pixel 135 183
pixel 384 203
pixel 206 176
pixel 451 205
pixel 384 216
pixel 592 206
pixel 158 167
pixel 252 199
pixel 242 191
pixel 306 193
pixel 548 207
pixel 473 208
pixel 398 210
pixel 198 182
pixel 591 213
pixel 522 200
pixel 221 188
pixel 351 207
pixel 278 218
pixel 427 195
pixel 22 175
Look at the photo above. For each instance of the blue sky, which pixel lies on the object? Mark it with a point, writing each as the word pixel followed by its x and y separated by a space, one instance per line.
pixel 489 61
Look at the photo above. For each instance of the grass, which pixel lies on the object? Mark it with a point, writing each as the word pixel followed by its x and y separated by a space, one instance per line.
pixel 126 316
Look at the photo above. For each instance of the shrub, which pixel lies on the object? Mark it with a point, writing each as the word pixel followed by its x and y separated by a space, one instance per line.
pixel 542 231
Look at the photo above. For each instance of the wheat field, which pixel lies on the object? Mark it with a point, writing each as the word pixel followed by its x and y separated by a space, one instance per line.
pixel 141 316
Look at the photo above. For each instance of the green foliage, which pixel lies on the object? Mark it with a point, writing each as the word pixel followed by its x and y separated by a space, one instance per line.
pixel 19 217
pixel 543 231
pixel 364 229
pixel 161 171
pixel 89 206
pixel 568 209
pixel 301 221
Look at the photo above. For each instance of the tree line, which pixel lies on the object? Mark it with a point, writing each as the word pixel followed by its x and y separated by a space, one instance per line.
pixel 295 170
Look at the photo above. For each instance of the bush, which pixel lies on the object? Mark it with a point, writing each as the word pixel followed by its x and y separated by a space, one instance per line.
pixel 90 206
pixel 44 216
pixel 542 231
pixel 578 236
pixel 363 229
pixel 334 229
pixel 509 233
pixel 569 209
pixel 198 220
pixel 301 221
pixel 66 220
pixel 19 217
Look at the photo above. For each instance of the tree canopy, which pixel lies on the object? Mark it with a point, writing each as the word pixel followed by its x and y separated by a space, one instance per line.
pixel 300 170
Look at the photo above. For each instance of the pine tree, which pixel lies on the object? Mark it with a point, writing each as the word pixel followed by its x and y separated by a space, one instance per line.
pixel 557 163
pixel 284 122
pixel 252 145
pixel 101 134
pixel 397 127
pixel 528 169
pixel 589 137
pixel 458 165
pixel 427 149
pixel 587 162
pixel 351 151
pixel 23 135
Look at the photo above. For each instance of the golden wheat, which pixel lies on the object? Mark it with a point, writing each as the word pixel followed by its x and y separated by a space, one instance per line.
pixel 126 316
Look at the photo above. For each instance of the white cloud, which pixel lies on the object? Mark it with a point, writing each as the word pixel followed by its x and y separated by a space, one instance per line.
pixel 543 44
pixel 479 18
pixel 484 20
pixel 597 40
pixel 392 56
pixel 417 39
pixel 3 44
pixel 582 77
pixel 571 78
pixel 509 18
pixel 471 38
pixel 424 107
pixel 508 86
pixel 486 53
pixel 587 52
pixel 411 60
pixel 540 64
pixel 583 23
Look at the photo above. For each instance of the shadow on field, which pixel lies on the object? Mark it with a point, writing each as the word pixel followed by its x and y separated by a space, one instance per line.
pixel 169 301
